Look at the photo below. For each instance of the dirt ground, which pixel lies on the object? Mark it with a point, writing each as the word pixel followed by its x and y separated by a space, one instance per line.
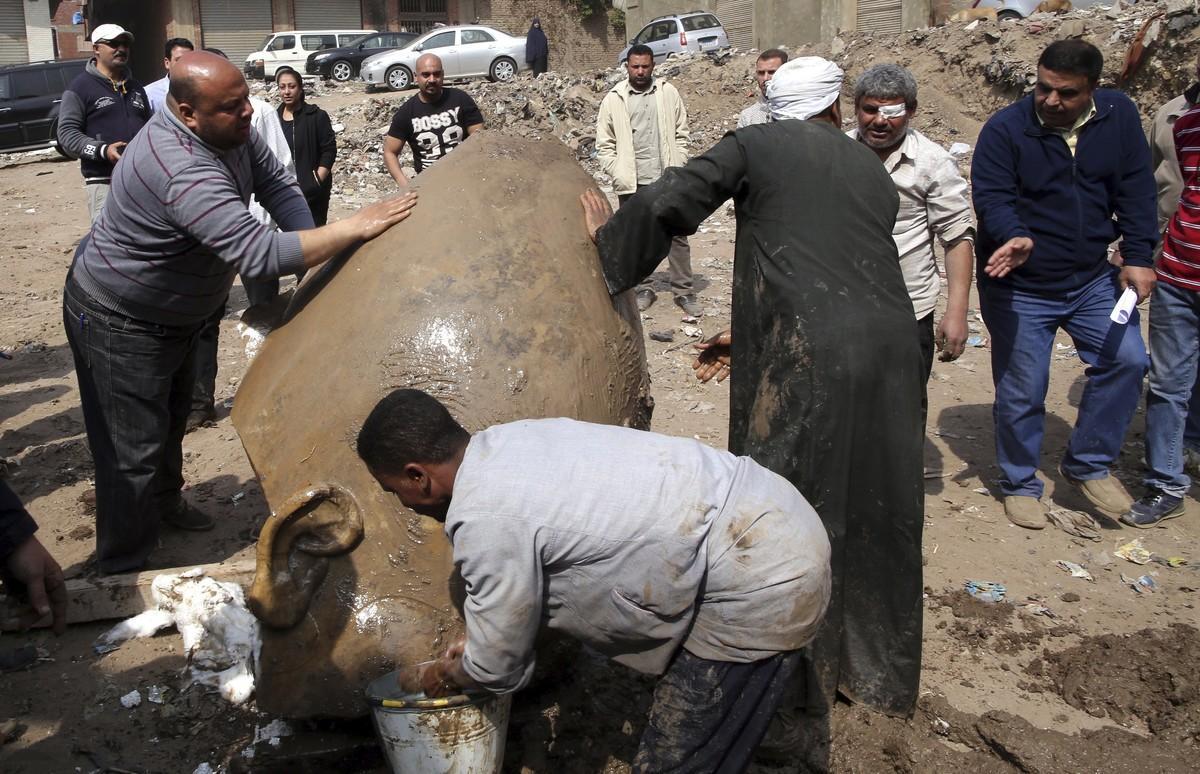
pixel 1066 675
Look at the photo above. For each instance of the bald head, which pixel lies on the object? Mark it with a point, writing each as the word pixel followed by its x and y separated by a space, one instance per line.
pixel 210 96
pixel 429 77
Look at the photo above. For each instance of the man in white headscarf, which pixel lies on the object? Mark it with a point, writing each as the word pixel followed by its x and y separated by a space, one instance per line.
pixel 824 353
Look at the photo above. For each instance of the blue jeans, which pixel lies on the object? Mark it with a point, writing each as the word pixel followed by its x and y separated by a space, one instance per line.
pixel 135 386
pixel 1174 352
pixel 1022 326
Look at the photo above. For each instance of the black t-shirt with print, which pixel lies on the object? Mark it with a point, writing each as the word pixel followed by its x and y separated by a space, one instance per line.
pixel 433 129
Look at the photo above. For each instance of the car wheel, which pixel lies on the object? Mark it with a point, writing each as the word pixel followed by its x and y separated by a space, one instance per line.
pixel 341 71
pixel 1008 14
pixel 399 77
pixel 503 69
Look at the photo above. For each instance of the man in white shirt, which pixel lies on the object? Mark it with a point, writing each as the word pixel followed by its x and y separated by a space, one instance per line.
pixel 764 69
pixel 664 554
pixel 933 205
pixel 172 50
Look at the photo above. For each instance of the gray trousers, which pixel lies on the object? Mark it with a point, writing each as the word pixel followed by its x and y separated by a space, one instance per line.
pixel 97 195
pixel 679 259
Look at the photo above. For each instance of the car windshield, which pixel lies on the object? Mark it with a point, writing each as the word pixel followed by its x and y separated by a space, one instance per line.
pixel 360 39
pixel 266 42
pixel 702 22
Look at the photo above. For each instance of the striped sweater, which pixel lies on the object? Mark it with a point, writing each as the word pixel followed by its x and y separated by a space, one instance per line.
pixel 1180 261
pixel 175 228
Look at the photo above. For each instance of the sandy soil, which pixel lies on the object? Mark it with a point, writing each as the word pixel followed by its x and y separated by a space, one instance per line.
pixel 1068 675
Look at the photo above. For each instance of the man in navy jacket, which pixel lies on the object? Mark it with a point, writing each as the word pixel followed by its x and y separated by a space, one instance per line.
pixel 1057 177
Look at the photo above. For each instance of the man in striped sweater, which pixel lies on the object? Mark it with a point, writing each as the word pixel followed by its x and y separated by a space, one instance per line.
pixel 157 263
pixel 1174 326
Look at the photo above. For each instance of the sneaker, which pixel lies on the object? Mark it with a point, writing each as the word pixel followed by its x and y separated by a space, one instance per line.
pixel 185 516
pixel 1025 511
pixel 200 418
pixel 1155 506
pixel 689 305
pixel 1105 493
pixel 645 299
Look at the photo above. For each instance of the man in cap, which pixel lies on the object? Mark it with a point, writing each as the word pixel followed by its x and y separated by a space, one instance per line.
pixel 172 50
pixel 826 367
pixel 933 205
pixel 764 69
pixel 155 267
pixel 1057 177
pixel 102 109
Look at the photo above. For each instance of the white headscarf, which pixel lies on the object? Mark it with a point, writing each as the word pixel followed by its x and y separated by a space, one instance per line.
pixel 803 87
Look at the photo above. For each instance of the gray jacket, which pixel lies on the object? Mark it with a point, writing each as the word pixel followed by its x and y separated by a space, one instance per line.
pixel 633 542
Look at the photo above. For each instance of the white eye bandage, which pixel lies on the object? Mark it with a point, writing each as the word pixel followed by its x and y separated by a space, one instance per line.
pixel 893 111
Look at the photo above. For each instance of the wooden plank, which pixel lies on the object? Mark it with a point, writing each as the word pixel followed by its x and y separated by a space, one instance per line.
pixel 121 596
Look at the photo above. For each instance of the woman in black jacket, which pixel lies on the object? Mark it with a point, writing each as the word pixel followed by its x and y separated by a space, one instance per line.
pixel 310 136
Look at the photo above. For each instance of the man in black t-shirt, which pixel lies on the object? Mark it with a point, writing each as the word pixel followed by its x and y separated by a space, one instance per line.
pixel 432 123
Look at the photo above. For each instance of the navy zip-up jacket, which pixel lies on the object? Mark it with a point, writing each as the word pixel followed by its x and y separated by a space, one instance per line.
pixel 1026 183
pixel 96 112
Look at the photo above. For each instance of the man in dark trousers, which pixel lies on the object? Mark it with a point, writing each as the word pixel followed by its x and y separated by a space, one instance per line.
pixel 699 566
pixel 1057 177
pixel 155 267
pixel 827 374
pixel 102 109
pixel 433 123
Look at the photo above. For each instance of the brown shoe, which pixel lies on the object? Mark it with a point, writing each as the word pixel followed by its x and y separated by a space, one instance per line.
pixel 1106 493
pixel 1025 511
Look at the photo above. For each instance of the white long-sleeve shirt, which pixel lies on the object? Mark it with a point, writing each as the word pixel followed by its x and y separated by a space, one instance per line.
pixel 633 542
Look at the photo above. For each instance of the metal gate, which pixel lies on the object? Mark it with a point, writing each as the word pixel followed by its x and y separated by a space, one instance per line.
pixel 737 17
pixel 879 16
pixel 419 16
pixel 237 27
pixel 328 15
pixel 14 48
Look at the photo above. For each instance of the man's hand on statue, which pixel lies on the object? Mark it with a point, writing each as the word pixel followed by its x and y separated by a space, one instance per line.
pixel 374 219
pixel 951 336
pixel 596 211
pixel 1010 255
pixel 714 358
pixel 1140 278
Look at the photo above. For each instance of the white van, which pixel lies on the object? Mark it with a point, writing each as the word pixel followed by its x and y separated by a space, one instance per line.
pixel 292 48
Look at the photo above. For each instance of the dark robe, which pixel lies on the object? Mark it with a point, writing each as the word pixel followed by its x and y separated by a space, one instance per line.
pixel 827 376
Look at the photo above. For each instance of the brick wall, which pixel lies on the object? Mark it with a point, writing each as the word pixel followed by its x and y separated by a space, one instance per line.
pixel 71 42
pixel 575 44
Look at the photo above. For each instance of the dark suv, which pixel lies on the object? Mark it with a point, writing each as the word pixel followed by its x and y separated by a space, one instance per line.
pixel 29 97
pixel 341 64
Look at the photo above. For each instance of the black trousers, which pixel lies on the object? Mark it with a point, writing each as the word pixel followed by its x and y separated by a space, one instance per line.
pixel 925 332
pixel 539 65
pixel 709 716
pixel 135 385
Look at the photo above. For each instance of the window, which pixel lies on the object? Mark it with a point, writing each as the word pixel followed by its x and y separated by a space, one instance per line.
pixel 440 40
pixel 476 36
pixel 317 42
pixel 5 88
pixel 662 31
pixel 702 22
pixel 396 40
pixel 56 80
pixel 28 83
pixel 345 40
pixel 282 42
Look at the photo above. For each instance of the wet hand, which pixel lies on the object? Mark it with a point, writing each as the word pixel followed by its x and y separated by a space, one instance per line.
pixel 596 211
pixel 714 357
pixel 951 338
pixel 34 571
pixel 374 219
pixel 1010 255
pixel 1140 278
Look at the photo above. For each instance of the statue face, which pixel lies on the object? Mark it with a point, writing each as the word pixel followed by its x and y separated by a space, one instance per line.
pixel 501 318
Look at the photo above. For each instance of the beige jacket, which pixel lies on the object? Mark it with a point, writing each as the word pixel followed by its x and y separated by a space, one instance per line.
pixel 1163 158
pixel 614 134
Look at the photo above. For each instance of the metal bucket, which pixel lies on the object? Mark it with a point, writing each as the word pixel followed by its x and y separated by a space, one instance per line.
pixel 454 735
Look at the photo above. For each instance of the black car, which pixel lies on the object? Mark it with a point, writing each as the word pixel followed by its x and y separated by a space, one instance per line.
pixel 29 97
pixel 341 64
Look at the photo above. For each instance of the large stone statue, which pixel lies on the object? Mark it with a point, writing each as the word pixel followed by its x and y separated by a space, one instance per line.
pixel 490 297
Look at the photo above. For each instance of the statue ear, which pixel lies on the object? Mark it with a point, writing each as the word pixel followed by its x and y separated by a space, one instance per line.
pixel 294 548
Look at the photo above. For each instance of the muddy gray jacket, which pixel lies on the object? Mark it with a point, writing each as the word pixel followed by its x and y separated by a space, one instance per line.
pixel 96 112
pixel 633 542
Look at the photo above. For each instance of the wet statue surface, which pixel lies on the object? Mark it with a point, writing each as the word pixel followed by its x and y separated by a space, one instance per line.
pixel 489 297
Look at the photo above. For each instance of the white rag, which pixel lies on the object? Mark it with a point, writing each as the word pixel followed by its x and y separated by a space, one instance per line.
pixel 803 88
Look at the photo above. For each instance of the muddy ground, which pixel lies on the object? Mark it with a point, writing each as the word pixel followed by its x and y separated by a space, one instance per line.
pixel 1066 675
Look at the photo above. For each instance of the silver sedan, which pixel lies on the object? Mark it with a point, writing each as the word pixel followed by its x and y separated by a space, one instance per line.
pixel 466 52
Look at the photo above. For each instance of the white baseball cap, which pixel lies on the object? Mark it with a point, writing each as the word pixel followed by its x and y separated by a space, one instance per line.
pixel 110 32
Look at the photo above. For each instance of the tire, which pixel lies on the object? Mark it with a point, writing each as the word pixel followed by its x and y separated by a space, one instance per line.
pixel 1009 15
pixel 341 71
pixel 503 69
pixel 398 77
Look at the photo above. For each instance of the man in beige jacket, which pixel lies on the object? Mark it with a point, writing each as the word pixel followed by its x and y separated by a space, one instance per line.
pixel 641 130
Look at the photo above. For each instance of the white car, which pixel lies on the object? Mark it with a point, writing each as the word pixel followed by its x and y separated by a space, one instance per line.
pixel 467 52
